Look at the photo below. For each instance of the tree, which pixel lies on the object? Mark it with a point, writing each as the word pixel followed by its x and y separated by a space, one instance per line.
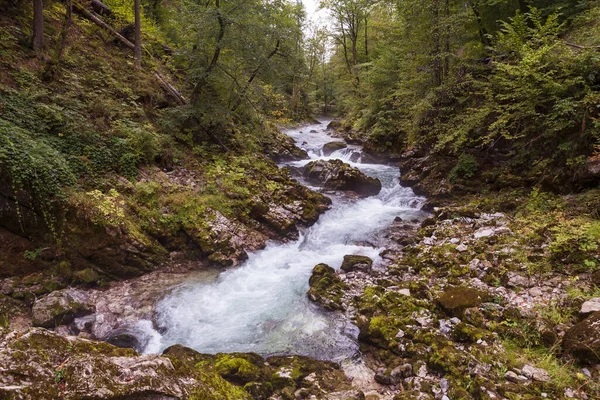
pixel 137 51
pixel 38 25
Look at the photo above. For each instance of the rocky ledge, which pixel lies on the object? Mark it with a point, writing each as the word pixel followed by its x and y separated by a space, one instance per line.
pixel 464 310
pixel 39 364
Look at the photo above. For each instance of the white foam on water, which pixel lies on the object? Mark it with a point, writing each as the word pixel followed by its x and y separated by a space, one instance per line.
pixel 262 306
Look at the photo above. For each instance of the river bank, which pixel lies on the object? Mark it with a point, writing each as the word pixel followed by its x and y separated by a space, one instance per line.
pixel 461 304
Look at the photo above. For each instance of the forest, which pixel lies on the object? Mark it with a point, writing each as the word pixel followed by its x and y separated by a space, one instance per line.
pixel 265 199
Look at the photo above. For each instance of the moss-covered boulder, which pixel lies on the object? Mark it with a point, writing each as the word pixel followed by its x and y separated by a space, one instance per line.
pixel 330 147
pixel 456 300
pixel 40 364
pixel 60 308
pixel 337 175
pixel 326 288
pixel 582 341
pixel 241 368
pixel 356 263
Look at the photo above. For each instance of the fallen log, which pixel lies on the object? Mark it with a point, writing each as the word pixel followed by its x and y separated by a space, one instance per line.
pixel 87 14
pixel 101 8
pixel 170 89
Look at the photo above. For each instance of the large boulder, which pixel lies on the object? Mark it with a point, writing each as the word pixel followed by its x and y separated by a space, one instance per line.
pixel 41 364
pixel 330 147
pixel 326 288
pixel 60 308
pixel 337 175
pixel 582 341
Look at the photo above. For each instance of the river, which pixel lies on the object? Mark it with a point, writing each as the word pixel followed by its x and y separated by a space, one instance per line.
pixel 261 306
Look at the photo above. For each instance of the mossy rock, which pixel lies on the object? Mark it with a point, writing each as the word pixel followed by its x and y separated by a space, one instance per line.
pixel 326 288
pixel 355 262
pixel 240 368
pixel 456 300
pixel 449 359
pixel 87 276
pixel 468 333
pixel 582 341
pixel 43 365
pixel 330 147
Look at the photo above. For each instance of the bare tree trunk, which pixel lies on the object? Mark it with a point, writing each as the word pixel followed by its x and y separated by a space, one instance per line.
pixel 64 31
pixel 137 50
pixel 215 58
pixel 437 65
pixel 253 75
pixel 38 25
pixel 366 39
pixel 447 39
pixel 62 39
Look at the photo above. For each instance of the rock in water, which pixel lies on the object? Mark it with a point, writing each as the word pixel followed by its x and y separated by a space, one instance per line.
pixel 583 340
pixel 330 147
pixel 356 263
pixel 326 288
pixel 337 175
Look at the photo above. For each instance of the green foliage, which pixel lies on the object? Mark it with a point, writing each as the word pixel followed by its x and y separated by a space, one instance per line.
pixel 32 255
pixel 465 168
pixel 489 78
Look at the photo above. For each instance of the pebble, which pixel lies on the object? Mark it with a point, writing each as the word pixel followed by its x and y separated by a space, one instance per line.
pixel 455 241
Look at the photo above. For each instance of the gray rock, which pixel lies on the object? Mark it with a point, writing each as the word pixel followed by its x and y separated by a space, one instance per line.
pixel 518 280
pixel 401 371
pixel 60 307
pixel 512 377
pixel 484 233
pixel 337 175
pixel 461 248
pixel 537 374
pixel 444 385
pixel 330 147
pixel 590 306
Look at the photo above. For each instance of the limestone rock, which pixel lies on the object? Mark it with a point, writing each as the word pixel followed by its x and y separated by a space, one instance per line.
pixel 60 308
pixel 537 374
pixel 337 175
pixel 590 306
pixel 42 365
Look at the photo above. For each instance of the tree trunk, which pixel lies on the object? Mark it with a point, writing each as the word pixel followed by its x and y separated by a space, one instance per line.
pixel 137 50
pixel 215 58
pixel 366 39
pixel 86 14
pixel 38 25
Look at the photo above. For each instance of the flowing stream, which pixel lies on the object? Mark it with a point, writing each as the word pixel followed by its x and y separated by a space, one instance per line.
pixel 261 306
